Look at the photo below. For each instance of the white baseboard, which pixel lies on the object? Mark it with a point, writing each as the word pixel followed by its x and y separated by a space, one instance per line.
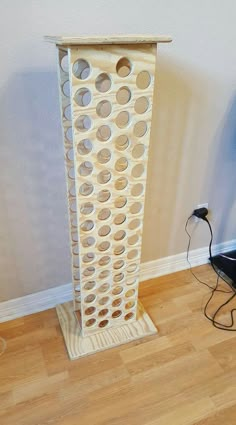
pixel 49 298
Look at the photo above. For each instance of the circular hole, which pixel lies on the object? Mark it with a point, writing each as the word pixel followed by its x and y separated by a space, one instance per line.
pixel 65 64
pixel 104 274
pixel 103 82
pixel 129 316
pixel 75 249
pixel 137 189
pixel 73 206
pixel 81 69
pixel 129 305
pixel 132 268
pixel 138 151
pixel 77 288
pixel 117 290
pixel 86 189
pixel 89 285
pixel 66 88
pixel 87 258
pixel 119 219
pixel 131 282
pixel 121 183
pixel 76 275
pixel 130 293
pixel 103 108
pixel 136 208
pixel 103 156
pixel 116 314
pixel 87 242
pixel 85 168
pixel 104 260
pixel 83 123
pixel 123 67
pixel 104 288
pixel 104 230
pixel 117 302
pixel 118 264
pixel 121 164
pixel 90 322
pixel 71 173
pixel 132 240
pixel 118 277
pixel 137 170
pixel 120 202
pixel 84 147
pixel 141 105
pixel 103 312
pixel 118 236
pixel 134 224
pixel 132 254
pixel 119 250
pixel 67 113
pixel 122 119
pixel 70 154
pixel 87 208
pixel 103 323
pixel 104 300
pixel 123 95
pixel 143 80
pixel 90 298
pixel 122 142
pixel 69 134
pixel 89 311
pixel 83 97
pixel 103 195
pixel 103 246
pixel 76 261
pixel 74 237
pixel 89 271
pixel 104 214
pixel 103 133
pixel 140 128
pixel 72 190
pixel 74 221
pixel 104 177
pixel 87 225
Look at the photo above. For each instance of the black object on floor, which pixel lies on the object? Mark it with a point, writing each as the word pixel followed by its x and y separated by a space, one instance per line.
pixel 226 262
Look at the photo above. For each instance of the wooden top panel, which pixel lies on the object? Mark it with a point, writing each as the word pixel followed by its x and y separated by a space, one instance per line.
pixel 108 39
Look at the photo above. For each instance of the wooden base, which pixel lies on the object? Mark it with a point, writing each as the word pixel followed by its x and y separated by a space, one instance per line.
pixel 78 346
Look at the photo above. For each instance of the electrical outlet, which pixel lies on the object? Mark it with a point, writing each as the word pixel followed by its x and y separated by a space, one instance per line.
pixel 200 206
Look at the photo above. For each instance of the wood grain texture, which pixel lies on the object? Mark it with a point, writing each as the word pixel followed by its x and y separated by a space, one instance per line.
pixel 108 39
pixel 79 346
pixel 185 375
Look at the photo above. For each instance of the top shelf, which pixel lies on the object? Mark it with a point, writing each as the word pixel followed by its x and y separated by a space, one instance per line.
pixel 108 39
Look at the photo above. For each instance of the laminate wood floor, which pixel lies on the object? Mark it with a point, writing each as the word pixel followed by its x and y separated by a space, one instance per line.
pixel 185 375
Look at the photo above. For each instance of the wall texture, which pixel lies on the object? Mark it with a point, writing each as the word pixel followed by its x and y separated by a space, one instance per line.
pixel 193 146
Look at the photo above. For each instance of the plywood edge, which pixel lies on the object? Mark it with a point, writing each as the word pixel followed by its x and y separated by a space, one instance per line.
pixel 78 346
pixel 108 39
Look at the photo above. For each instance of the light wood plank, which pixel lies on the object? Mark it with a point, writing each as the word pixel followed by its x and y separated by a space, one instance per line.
pixel 108 39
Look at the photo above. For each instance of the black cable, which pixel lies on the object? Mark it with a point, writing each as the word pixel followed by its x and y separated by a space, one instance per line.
pixel 215 289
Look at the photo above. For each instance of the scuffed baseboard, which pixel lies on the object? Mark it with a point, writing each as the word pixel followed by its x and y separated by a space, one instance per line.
pixel 49 298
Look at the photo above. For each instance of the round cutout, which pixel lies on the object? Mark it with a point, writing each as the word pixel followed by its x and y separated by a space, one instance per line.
pixel 140 128
pixel 67 113
pixel 118 277
pixel 86 168
pixel 132 240
pixel 103 82
pixel 122 119
pixel 103 195
pixel 104 155
pixel 83 123
pixel 104 287
pixel 129 316
pixel 122 142
pixel 116 314
pixel 103 323
pixel 84 147
pixel 66 88
pixel 104 246
pixel 118 264
pixel 137 190
pixel 81 69
pixel 87 225
pixel 103 108
pixel 103 312
pixel 121 164
pixel 87 208
pixel 138 151
pixel 123 95
pixel 86 189
pixel 123 67
pixel 104 300
pixel 104 231
pixel 121 183
pixel 137 171
pixel 136 208
pixel 104 177
pixel 104 260
pixel 65 64
pixel 87 242
pixel 134 224
pixel 69 134
pixel 119 250
pixel 89 271
pixel 130 293
pixel 89 311
pixel 83 97
pixel 143 80
pixel 129 305
pixel 120 202
pixel 104 214
pixel 119 219
pixel 89 285
pixel 117 290
pixel 117 302
pixel 103 133
pixel 104 274
pixel 90 298
pixel 90 322
pixel 132 254
pixel 118 236
pixel 141 105
pixel 88 258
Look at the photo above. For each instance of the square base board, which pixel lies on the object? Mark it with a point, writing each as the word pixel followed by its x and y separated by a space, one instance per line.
pixel 80 346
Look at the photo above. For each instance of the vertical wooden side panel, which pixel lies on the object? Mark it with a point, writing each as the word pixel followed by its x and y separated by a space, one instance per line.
pixel 111 101
pixel 66 119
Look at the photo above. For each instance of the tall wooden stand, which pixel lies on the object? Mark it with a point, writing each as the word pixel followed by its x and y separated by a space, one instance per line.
pixel 106 90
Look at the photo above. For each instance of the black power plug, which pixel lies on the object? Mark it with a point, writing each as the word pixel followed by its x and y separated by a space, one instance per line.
pixel 200 213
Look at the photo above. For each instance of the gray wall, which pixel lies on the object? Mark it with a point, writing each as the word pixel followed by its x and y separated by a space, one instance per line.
pixel 193 147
